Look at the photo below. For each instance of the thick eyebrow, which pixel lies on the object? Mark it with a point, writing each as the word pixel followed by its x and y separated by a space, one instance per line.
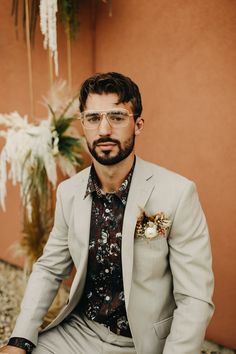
pixel 92 113
pixel 112 110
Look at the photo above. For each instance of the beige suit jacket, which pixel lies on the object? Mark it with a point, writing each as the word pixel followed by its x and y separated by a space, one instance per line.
pixel 168 281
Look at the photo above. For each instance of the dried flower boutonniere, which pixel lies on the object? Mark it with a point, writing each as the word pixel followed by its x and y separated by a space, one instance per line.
pixel 148 227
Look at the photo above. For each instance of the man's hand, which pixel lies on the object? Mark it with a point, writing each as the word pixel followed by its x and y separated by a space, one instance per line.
pixel 9 349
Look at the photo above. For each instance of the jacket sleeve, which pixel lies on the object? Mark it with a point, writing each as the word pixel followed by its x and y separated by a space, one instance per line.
pixel 44 281
pixel 190 262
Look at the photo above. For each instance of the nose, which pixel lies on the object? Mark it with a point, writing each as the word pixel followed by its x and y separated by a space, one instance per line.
pixel 104 127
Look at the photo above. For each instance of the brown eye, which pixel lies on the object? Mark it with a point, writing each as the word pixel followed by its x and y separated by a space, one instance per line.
pixel 117 117
pixel 92 118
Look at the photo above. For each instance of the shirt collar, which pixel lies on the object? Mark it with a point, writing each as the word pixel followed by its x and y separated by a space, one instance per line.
pixel 93 185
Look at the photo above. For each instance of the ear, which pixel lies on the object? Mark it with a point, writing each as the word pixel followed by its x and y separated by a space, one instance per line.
pixel 139 124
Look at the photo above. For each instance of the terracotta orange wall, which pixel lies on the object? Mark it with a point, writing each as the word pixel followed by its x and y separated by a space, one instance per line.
pixel 183 56
pixel 14 92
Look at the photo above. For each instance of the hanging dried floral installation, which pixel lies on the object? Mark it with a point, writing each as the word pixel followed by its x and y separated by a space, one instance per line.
pixel 68 14
pixel 48 26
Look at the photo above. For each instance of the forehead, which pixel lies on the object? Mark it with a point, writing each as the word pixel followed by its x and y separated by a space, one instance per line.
pixel 105 101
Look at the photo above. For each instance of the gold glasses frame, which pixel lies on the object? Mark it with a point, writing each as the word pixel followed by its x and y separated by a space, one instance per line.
pixel 116 117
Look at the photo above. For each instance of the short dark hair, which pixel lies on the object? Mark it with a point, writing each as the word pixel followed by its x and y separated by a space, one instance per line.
pixel 112 82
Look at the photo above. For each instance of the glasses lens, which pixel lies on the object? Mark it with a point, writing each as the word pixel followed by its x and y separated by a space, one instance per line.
pixel 91 120
pixel 118 118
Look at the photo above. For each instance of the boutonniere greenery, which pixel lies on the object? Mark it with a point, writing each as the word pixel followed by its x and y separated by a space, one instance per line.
pixel 149 227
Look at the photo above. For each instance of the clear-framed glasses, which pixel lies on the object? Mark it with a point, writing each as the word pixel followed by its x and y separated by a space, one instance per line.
pixel 117 118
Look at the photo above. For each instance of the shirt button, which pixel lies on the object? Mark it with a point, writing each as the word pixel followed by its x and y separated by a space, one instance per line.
pixel 107 298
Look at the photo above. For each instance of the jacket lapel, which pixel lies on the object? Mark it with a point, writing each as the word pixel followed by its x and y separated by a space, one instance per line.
pixel 79 247
pixel 82 215
pixel 82 212
pixel 141 187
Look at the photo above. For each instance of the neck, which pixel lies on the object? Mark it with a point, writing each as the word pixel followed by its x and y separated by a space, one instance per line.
pixel 111 177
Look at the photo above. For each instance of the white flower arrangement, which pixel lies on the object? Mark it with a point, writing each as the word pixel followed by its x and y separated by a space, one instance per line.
pixel 26 144
pixel 30 157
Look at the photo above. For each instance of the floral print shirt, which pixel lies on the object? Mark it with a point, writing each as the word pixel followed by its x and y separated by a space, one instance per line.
pixel 103 299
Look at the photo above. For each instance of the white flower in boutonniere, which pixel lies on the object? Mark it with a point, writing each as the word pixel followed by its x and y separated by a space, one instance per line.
pixel 151 230
pixel 149 227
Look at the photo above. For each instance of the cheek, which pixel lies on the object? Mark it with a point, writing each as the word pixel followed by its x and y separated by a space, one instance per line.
pixel 128 132
pixel 89 136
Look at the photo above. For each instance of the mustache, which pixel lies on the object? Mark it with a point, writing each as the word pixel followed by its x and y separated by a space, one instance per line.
pixel 105 140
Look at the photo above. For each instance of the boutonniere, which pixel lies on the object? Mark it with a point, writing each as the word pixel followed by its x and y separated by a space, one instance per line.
pixel 148 227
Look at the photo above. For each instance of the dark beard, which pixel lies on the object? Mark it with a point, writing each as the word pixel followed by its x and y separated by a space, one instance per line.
pixel 121 155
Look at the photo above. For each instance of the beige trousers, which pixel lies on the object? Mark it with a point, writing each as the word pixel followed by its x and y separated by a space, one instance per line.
pixel 79 335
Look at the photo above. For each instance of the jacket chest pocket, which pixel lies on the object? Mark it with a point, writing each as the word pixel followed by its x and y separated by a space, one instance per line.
pixel 151 256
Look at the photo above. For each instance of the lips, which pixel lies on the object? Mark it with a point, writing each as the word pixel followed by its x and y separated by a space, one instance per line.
pixel 106 146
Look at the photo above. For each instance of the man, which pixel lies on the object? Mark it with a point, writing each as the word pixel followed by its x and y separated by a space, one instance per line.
pixel 138 238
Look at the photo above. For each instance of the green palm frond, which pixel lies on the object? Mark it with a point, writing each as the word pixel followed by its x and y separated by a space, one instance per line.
pixel 62 124
pixel 70 148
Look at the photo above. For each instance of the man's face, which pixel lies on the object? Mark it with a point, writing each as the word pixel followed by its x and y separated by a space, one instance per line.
pixel 108 144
